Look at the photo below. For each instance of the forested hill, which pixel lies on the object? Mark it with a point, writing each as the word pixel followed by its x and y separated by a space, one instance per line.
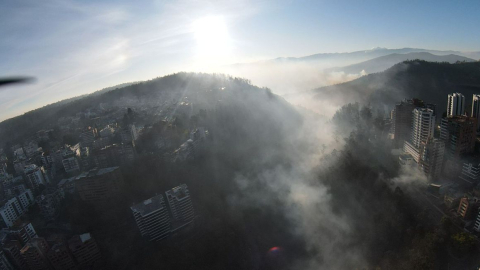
pixel 204 91
pixel 382 63
pixel 429 81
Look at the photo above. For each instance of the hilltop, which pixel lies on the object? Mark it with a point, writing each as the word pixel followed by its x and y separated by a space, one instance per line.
pixel 199 91
pixel 430 81
pixel 382 63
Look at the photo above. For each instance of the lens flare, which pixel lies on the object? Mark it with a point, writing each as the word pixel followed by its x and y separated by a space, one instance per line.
pixel 274 250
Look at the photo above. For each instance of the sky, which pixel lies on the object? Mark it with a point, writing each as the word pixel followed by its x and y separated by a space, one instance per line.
pixel 77 47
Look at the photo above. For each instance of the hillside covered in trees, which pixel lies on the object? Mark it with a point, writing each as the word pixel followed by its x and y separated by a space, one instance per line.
pixel 428 81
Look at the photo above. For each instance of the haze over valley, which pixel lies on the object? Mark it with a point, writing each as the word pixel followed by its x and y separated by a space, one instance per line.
pixel 239 135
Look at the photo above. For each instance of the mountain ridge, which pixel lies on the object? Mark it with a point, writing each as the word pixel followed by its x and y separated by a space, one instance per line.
pixel 429 81
pixel 382 63
pixel 363 55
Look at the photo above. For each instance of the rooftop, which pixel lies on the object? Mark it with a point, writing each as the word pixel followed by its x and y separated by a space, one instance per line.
pixel 78 240
pixel 64 181
pixel 29 168
pixel 96 172
pixel 459 118
pixel 85 237
pixel 106 170
pixel 178 192
pixel 148 206
pixel 475 160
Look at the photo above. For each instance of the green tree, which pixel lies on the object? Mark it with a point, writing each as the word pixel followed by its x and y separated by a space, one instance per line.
pixel 463 242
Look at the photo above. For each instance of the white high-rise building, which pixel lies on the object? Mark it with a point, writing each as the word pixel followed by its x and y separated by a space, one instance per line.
pixel 10 212
pixel 152 218
pixel 26 199
pixel 426 151
pixel 432 157
pixel 423 125
pixel 456 104
pixel 477 221
pixel 34 176
pixel 476 109
pixel 181 206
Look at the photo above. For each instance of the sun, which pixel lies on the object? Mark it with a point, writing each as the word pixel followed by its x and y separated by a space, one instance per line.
pixel 212 38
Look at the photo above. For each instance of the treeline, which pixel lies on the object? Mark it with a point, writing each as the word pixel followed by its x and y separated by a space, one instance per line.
pixel 429 81
pixel 389 227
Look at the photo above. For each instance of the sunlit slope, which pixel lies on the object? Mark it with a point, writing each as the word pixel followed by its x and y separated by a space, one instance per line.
pixel 204 91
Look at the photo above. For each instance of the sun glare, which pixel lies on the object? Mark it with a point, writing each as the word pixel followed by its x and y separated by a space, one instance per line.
pixel 213 42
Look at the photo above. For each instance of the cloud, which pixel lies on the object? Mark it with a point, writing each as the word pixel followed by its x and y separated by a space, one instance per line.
pixel 97 45
pixel 295 192
pixel 410 176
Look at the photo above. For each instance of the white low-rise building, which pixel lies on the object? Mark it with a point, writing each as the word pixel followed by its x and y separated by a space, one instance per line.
pixel 10 212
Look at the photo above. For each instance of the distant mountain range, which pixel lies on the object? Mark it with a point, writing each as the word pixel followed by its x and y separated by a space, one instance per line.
pixel 350 58
pixel 360 56
pixel 384 62
pixel 429 81
pixel 294 75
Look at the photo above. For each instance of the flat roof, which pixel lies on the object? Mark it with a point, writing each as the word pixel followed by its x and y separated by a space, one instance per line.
pixel 150 205
pixel 178 192
pixel 61 183
pixel 95 172
pixel 85 237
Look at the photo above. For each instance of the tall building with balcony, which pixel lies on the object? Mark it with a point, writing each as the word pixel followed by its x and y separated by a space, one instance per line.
pixel 467 206
pixel 12 250
pixel 402 120
pixel 23 232
pixel 35 252
pixel 61 258
pixel 423 125
pixel 99 185
pixel 470 171
pixel 432 153
pixel 152 218
pixel 180 205
pixel 459 134
pixel 476 109
pixel 85 250
pixel 70 164
pixel 26 199
pixel 114 155
pixel 456 104
pixel 47 160
pixel 10 212
pixel 12 188
pixel 477 220
pixel 34 176
pixel 88 136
